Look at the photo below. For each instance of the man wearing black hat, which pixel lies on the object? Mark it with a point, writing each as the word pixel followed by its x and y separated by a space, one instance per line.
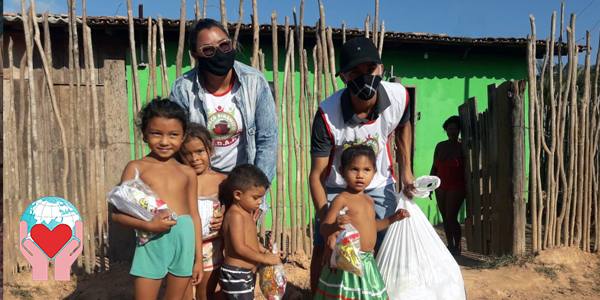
pixel 367 112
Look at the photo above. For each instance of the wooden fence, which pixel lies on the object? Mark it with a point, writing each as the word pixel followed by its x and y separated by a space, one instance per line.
pixel 564 133
pixel 493 145
pixel 67 130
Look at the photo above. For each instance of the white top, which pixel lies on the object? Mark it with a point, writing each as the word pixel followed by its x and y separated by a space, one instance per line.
pixel 224 121
pixel 375 134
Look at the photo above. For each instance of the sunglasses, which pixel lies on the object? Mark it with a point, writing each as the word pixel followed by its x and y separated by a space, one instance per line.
pixel 224 46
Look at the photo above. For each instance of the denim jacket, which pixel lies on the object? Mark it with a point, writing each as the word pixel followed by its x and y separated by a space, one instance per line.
pixel 254 100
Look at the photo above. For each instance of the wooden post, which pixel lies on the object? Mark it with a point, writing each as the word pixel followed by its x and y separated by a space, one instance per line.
pixel 180 43
pixel 278 208
pixel 197 10
pixel 367 22
pixel 239 24
pixel 153 63
pixel 518 171
pixel 163 59
pixel 376 24
pixel 134 71
pixel 323 39
pixel 223 13
pixel 303 131
pixel 331 51
pixel 255 36
pixel 34 163
pixel 343 33
pixel 149 88
pixel 380 38
pixel 532 81
pixel 204 4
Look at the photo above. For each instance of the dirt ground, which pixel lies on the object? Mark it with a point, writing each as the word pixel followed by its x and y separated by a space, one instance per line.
pixel 566 273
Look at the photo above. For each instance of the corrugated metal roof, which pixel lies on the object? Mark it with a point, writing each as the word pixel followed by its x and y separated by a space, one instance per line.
pixel 409 37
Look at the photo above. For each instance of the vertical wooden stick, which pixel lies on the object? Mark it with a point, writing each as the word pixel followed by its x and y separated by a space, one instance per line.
pixel 255 37
pixel 278 207
pixel 180 43
pixel 134 71
pixel 34 160
pixel 331 52
pixel 343 32
pixel 367 22
pixel 380 39
pixel 239 24
pixel 163 59
pixel 376 24
pixel 197 10
pixel 532 144
pixel 303 131
pixel 223 14
pixel 153 63
pixel 149 87
pixel 204 4
pixel 323 39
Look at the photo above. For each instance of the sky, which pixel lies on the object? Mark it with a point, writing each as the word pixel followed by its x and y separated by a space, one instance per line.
pixel 469 18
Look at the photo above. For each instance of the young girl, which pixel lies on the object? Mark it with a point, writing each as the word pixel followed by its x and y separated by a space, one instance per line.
pixel 176 251
pixel 196 152
pixel 358 169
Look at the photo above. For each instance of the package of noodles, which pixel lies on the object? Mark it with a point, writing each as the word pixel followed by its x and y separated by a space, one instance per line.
pixel 346 254
pixel 272 280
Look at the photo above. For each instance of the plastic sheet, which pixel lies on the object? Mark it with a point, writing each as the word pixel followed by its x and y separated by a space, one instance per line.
pixel 135 198
pixel 413 260
pixel 272 280
pixel 346 254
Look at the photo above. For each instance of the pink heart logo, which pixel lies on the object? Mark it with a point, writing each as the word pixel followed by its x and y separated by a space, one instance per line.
pixel 51 241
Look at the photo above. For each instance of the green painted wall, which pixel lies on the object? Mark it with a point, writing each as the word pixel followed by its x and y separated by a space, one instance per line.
pixel 442 81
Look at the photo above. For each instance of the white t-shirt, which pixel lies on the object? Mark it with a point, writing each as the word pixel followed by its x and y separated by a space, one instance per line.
pixel 224 121
pixel 375 134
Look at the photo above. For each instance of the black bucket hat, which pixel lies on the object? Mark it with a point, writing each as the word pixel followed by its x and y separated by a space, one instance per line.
pixel 355 52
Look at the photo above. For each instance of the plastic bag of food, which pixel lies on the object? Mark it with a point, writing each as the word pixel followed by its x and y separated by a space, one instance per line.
pixel 346 254
pixel 135 198
pixel 208 208
pixel 272 280
pixel 413 261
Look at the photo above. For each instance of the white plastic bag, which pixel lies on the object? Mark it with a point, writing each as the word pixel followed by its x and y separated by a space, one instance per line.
pixel 272 280
pixel 413 260
pixel 346 254
pixel 135 198
pixel 208 208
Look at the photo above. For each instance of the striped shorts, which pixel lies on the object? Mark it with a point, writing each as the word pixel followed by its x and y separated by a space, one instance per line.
pixel 237 283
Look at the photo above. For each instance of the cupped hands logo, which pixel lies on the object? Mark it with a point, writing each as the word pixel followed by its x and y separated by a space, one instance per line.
pixel 51 230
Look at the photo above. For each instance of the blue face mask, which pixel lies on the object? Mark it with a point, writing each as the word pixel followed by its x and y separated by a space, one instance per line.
pixel 365 86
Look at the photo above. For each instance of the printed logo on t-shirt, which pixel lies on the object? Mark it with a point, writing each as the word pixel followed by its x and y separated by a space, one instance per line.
pixel 223 127
pixel 371 141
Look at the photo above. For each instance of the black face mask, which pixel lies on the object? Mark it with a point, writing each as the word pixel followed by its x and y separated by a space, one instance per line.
pixel 219 64
pixel 364 86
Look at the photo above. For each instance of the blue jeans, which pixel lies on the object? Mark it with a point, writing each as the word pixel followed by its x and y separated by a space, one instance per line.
pixel 385 205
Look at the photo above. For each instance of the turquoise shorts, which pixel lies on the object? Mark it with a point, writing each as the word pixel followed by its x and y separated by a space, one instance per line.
pixel 170 252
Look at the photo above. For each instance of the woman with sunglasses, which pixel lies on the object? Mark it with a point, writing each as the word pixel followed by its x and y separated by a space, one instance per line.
pixel 232 100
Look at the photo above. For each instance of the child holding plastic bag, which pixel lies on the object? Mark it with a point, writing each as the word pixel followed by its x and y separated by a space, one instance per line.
pixel 352 237
pixel 176 250
pixel 196 152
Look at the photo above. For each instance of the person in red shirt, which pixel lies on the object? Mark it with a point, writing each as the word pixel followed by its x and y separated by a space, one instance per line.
pixel 448 165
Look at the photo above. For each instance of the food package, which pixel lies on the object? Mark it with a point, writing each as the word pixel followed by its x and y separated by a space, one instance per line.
pixel 135 198
pixel 346 254
pixel 208 208
pixel 272 280
pixel 413 261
